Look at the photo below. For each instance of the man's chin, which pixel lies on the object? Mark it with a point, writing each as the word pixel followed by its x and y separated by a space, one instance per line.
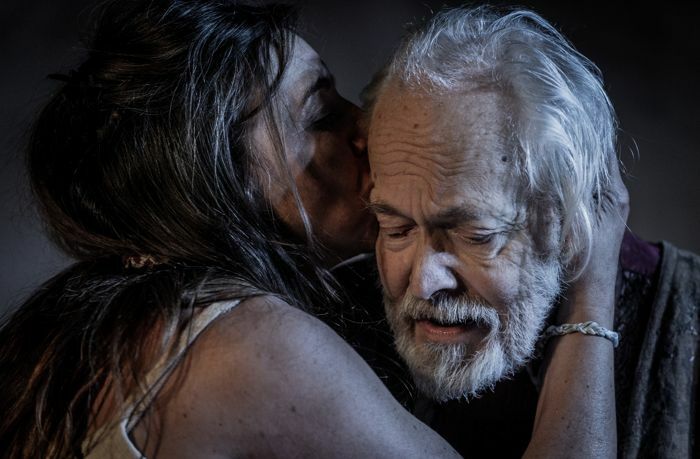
pixel 454 371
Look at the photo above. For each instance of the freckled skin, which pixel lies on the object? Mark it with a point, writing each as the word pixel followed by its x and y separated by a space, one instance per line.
pixel 430 153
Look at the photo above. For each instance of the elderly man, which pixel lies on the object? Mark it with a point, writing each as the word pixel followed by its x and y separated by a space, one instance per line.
pixel 490 143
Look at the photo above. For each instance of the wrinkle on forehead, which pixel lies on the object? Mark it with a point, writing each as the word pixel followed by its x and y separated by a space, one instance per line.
pixel 445 141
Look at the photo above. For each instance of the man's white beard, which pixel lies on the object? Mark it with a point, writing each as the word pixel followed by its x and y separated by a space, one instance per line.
pixel 450 371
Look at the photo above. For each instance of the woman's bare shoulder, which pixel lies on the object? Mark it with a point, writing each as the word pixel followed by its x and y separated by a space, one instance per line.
pixel 270 379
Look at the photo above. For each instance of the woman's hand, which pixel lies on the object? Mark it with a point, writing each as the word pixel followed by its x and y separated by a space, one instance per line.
pixel 591 296
pixel 576 410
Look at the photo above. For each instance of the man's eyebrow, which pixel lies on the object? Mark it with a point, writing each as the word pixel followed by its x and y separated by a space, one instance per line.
pixel 455 215
pixel 459 215
pixel 381 207
pixel 447 218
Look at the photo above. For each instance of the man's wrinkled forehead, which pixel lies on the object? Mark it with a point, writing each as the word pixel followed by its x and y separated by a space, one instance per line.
pixel 442 137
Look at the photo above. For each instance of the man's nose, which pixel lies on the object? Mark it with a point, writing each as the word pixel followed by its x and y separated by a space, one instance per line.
pixel 432 272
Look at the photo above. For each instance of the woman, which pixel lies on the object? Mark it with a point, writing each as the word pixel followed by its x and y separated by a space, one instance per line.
pixel 184 165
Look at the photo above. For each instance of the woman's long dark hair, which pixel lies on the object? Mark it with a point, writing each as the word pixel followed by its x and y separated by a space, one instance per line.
pixel 144 151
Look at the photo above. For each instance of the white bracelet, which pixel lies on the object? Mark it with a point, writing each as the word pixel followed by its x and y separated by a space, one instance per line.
pixel 587 328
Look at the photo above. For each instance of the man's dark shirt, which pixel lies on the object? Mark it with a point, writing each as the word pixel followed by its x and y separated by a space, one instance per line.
pixel 658 297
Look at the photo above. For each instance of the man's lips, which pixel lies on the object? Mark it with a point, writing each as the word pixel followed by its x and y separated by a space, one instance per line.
pixel 435 332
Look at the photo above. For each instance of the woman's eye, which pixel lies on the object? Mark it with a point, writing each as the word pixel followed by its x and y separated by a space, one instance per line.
pixel 327 122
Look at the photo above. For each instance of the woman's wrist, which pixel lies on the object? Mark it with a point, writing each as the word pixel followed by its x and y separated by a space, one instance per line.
pixel 581 308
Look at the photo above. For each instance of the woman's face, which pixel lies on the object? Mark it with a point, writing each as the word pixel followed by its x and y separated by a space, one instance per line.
pixel 325 149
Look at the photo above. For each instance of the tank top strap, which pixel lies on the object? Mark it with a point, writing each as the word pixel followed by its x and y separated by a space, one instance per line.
pixel 138 403
pixel 114 437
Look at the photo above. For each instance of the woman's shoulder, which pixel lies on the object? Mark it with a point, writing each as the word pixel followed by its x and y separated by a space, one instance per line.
pixel 263 332
pixel 265 345
pixel 249 378
pixel 269 379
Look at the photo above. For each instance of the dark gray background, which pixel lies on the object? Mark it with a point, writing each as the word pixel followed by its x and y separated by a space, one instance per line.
pixel 649 57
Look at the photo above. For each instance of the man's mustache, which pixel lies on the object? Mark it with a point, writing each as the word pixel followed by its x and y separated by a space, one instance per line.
pixel 448 309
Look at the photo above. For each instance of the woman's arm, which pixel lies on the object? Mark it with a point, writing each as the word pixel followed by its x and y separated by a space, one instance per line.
pixel 576 409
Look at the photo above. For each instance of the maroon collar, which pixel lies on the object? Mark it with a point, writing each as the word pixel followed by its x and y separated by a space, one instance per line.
pixel 638 255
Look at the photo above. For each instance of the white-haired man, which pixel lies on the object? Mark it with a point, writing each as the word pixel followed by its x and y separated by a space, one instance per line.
pixel 490 146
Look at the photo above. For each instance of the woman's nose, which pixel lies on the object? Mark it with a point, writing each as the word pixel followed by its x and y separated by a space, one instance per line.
pixel 359 140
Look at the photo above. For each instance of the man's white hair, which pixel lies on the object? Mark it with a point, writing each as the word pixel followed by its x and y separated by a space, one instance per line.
pixel 564 124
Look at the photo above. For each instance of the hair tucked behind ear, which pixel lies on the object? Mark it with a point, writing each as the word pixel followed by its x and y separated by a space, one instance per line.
pixel 144 150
